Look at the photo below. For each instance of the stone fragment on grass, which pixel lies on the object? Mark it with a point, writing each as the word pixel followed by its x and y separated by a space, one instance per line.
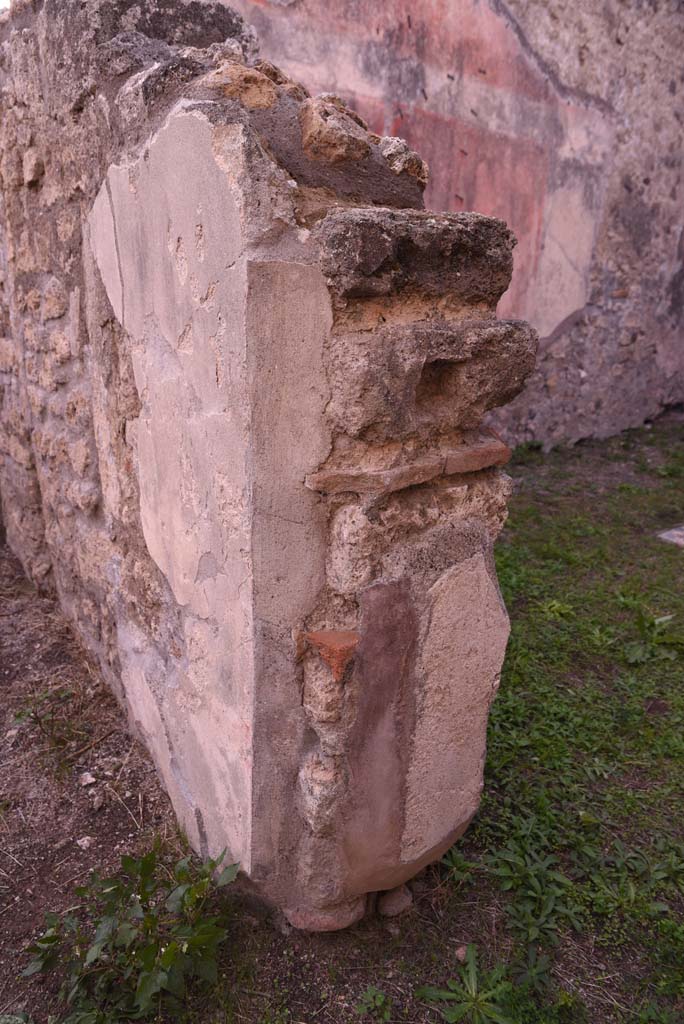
pixel 674 536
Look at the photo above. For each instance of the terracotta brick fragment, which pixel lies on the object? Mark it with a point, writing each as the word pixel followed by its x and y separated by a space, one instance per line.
pixel 336 647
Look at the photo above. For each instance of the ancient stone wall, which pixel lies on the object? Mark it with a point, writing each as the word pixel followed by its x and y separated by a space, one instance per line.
pixel 562 118
pixel 242 388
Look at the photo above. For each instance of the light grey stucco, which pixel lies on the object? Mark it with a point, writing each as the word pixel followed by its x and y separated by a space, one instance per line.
pixel 167 239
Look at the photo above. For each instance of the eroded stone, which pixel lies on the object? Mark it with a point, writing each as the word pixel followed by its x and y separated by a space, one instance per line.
pixel 332 133
pixel 369 252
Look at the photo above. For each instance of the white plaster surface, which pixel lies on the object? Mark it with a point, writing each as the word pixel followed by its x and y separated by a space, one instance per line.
pixel 178 289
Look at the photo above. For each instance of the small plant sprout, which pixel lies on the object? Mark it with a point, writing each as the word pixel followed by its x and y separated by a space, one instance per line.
pixel 473 999
pixel 375 1004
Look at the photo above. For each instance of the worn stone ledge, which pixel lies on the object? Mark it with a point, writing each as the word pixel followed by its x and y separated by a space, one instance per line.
pixel 372 252
pixel 432 373
pixel 467 458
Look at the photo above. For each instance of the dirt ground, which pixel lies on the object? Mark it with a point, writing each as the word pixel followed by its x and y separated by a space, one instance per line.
pixel 76 791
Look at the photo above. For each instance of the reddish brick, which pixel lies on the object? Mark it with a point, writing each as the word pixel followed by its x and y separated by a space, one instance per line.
pixel 336 647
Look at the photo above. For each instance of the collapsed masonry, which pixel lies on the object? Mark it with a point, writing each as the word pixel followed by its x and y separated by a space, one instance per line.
pixel 242 380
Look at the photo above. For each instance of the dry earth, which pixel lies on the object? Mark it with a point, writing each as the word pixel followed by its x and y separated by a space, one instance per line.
pixel 59 728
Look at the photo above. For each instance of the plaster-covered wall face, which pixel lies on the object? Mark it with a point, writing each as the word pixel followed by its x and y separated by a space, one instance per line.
pixel 169 257
pixel 563 120
pixel 243 382
pixel 463 606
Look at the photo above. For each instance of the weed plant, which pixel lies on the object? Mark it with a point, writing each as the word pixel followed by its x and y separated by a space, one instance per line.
pixel 136 940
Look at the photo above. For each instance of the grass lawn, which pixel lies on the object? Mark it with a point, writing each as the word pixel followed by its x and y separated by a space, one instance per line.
pixel 566 896
pixel 581 828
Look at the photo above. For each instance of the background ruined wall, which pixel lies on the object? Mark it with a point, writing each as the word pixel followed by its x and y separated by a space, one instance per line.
pixel 565 120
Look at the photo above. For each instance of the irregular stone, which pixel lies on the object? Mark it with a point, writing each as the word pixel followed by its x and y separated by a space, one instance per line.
pixel 9 356
pixel 60 344
pixel 84 494
pixel 33 166
pixel 55 301
pixel 403 160
pixel 674 536
pixel 341 915
pixel 418 376
pixel 320 783
pixel 79 456
pixel 395 901
pixel 332 133
pixel 323 696
pixel 248 85
pixel 370 252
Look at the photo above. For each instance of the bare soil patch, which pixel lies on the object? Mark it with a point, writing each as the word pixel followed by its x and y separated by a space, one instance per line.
pixel 60 728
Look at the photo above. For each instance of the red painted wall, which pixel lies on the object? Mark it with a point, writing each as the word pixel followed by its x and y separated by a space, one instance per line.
pixel 455 80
